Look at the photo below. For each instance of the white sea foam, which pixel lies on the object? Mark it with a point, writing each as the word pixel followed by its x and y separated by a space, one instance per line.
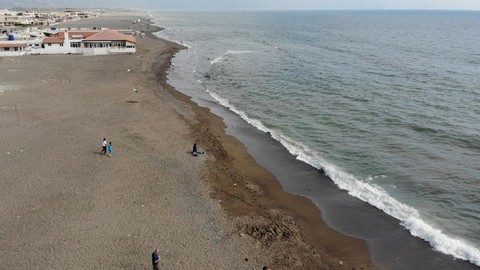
pixel 242 114
pixel 238 52
pixel 6 88
pixel 370 193
pixel 217 60
pixel 224 56
pixel 409 217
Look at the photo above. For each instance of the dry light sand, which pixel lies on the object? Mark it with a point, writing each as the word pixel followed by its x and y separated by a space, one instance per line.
pixel 64 205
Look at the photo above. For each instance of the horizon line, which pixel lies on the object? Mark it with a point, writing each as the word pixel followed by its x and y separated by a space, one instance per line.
pixel 259 9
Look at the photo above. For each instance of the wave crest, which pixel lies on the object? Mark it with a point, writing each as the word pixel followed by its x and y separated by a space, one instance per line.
pixel 225 55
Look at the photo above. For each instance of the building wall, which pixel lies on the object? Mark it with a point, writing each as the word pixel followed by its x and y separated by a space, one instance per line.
pixel 106 51
pixel 83 51
pixel 12 53
pixel 54 50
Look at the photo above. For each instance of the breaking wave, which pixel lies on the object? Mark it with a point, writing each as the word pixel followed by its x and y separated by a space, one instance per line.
pixel 373 194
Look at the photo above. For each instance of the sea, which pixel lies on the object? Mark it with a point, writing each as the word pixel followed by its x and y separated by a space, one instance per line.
pixel 384 103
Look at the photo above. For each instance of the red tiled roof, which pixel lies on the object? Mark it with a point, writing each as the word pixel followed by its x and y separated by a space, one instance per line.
pixel 84 34
pixel 110 35
pixel 53 40
pixel 13 45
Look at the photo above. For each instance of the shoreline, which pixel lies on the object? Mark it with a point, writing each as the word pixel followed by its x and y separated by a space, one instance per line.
pixel 263 198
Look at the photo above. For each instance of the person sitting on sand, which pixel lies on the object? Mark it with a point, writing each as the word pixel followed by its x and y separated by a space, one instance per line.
pixel 195 151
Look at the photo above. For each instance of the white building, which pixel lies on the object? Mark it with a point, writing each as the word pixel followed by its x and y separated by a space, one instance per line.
pixel 13 18
pixel 65 41
pixel 8 18
pixel 14 48
pixel 85 42
pixel 25 18
pixel 20 42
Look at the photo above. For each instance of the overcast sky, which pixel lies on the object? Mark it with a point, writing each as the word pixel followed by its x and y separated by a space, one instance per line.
pixel 253 4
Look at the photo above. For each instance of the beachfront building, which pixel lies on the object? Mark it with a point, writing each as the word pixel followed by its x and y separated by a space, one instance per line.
pixel 88 42
pixel 84 42
pixel 19 43
pixel 110 41
pixel 13 48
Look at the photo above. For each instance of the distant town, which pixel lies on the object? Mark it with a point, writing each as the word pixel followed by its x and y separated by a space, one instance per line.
pixel 35 32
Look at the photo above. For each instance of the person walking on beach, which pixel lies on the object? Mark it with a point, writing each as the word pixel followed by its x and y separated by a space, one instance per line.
pixel 104 146
pixel 155 259
pixel 110 149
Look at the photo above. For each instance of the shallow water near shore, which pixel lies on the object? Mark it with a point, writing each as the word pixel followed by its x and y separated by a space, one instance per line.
pixel 383 102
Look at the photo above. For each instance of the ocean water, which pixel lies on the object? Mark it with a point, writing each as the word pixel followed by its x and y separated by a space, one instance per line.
pixel 385 102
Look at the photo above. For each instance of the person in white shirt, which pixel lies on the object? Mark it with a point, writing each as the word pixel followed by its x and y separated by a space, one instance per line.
pixel 104 146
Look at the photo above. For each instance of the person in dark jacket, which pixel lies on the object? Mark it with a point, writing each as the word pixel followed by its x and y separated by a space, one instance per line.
pixel 195 151
pixel 156 259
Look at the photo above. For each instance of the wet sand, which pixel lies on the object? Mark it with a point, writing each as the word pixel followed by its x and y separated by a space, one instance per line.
pixel 65 205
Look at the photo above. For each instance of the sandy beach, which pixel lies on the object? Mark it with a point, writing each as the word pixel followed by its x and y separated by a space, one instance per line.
pixel 65 205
